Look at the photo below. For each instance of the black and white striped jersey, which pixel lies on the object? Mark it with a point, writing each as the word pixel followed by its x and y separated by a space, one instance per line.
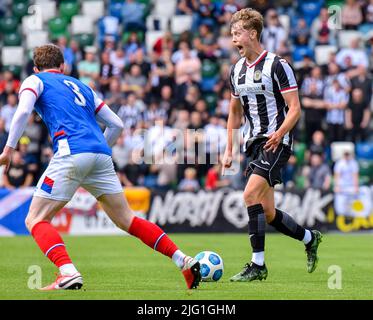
pixel 259 86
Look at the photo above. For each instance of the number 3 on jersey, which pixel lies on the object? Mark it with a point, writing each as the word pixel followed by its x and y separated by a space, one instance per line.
pixel 79 99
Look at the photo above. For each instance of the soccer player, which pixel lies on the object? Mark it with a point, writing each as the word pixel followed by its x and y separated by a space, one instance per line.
pixel 82 157
pixel 264 89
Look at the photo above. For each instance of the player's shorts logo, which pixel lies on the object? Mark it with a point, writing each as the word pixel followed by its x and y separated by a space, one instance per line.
pixel 47 185
pixel 257 75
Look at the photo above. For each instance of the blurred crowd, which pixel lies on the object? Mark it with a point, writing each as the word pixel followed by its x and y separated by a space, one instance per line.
pixel 182 82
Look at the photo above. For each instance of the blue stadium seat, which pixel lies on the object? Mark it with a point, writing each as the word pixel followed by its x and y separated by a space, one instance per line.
pixel 364 150
pixel 115 10
pixel 310 9
pixel 300 51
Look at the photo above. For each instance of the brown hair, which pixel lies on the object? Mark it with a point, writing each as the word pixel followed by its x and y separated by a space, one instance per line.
pixel 47 57
pixel 251 19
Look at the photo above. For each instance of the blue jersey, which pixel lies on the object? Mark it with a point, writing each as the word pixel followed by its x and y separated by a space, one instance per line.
pixel 68 108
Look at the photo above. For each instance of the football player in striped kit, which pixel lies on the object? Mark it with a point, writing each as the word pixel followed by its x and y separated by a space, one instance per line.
pixel 264 90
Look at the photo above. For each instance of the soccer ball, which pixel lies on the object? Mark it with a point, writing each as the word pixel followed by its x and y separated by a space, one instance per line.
pixel 211 265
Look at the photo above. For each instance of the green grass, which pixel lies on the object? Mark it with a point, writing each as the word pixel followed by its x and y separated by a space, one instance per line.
pixel 123 268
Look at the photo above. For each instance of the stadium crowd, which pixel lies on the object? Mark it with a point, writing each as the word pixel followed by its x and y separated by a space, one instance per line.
pixel 182 82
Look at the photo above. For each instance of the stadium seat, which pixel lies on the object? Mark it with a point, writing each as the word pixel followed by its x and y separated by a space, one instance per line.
pixel 126 35
pixel 300 51
pixel 19 9
pixel 209 68
pixel 82 24
pixel 154 22
pixel 339 148
pixel 68 10
pixel 151 37
pixel 8 25
pixel 16 70
pixel 310 9
pixel 165 8
pixel 285 22
pixel 37 38
pixel 115 10
pixel 94 9
pixel 345 37
pixel 364 150
pixel 299 152
pixel 211 101
pixel 48 9
pixel 85 39
pixel 322 54
pixel 181 23
pixel 366 168
pixel 57 25
pixel 12 40
pixel 12 56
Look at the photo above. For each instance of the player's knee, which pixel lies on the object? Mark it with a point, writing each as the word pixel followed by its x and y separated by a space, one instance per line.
pixel 30 221
pixel 251 197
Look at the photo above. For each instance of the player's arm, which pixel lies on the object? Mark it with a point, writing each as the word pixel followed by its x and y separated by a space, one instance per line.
pixel 234 123
pixel 285 78
pixel 114 125
pixel 19 122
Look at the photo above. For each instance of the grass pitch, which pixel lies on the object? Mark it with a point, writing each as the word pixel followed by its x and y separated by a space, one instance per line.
pixel 124 268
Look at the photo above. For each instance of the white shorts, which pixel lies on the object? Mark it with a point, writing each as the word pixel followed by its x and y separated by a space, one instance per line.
pixel 65 174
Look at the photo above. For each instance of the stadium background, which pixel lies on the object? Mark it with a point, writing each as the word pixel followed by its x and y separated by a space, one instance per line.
pixel 166 63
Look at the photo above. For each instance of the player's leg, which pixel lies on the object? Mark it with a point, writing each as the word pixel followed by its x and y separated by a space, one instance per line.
pixel 117 208
pixel 254 192
pixel 38 220
pixel 55 188
pixel 285 224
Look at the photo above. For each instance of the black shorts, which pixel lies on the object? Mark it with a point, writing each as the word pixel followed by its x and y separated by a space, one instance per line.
pixel 267 164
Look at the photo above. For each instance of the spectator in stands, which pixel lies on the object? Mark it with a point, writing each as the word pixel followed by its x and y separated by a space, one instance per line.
pixel 301 33
pixel 166 42
pixel 135 81
pixel 352 56
pixel 274 35
pixel 114 97
pixel 223 103
pixel 369 12
pixel 214 179
pixel 154 112
pixel 335 73
pixel 162 71
pixel 336 100
pixel 130 113
pixel 187 7
pixel 229 7
pixel 133 15
pixel 34 132
pixel 288 175
pixel 190 182
pixel 188 68
pixel 304 69
pixel 207 12
pixel 321 33
pixel 17 175
pixel 358 116
pixel 132 44
pixel 7 112
pixel 352 15
pixel 106 73
pixel 315 79
pixel 314 107
pixel 89 68
pixel 8 85
pixel 3 134
pixel 167 102
pixel 206 43
pixel 317 145
pixel 68 54
pixel 30 159
pixel 364 82
pixel 346 183
pixel 141 60
pixel 119 60
pixel 318 174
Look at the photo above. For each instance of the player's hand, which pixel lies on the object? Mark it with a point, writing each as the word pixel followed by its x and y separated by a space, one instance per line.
pixel 5 160
pixel 6 157
pixel 227 161
pixel 273 142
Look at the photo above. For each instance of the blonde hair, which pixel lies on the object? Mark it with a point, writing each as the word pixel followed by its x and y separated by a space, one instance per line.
pixel 251 19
